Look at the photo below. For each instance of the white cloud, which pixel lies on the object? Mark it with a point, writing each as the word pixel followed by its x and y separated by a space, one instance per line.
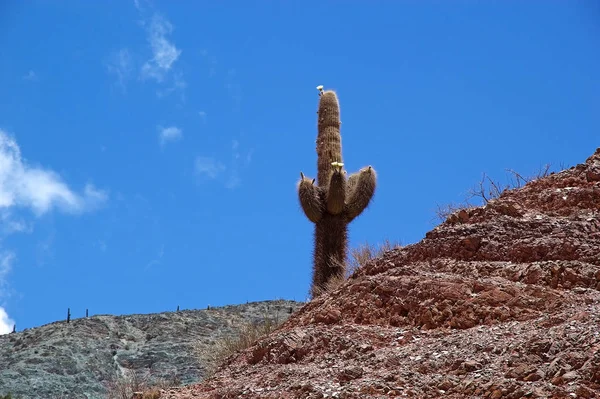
pixel 202 116
pixel 6 323
pixel 22 185
pixel 171 133
pixel 208 166
pixel 121 65
pixel 40 190
pixel 164 53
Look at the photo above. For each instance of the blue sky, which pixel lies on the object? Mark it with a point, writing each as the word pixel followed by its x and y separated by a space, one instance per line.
pixel 149 151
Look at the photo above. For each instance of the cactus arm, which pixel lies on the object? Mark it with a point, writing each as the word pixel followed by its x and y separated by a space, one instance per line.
pixel 336 193
pixel 352 179
pixel 310 200
pixel 361 187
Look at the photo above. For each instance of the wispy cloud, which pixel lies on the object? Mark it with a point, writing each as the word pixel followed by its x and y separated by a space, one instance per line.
pixel 38 189
pixel 164 52
pixel 158 259
pixel 158 66
pixel 202 116
pixel 167 134
pixel 208 166
pixel 30 76
pixel 178 85
pixel 11 225
pixel 230 175
pixel 120 64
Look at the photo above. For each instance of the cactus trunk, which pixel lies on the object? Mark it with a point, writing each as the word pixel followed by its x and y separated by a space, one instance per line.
pixel 329 257
pixel 335 201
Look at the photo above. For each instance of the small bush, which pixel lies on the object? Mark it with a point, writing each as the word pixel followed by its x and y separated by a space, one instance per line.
pixel 488 189
pixel 443 212
pixel 360 255
pixel 246 335
pixel 138 381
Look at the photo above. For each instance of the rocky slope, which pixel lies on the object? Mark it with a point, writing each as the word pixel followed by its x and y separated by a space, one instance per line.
pixel 499 301
pixel 81 358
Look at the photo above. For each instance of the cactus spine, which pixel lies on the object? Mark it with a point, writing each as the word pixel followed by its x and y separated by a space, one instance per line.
pixel 336 200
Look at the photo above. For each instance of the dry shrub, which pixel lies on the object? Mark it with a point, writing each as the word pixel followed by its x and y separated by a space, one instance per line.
pixel 124 386
pixel 139 382
pixel 488 189
pixel 334 282
pixel 360 255
pixel 246 335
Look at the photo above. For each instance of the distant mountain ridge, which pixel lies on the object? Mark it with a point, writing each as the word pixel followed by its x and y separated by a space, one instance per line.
pixel 78 359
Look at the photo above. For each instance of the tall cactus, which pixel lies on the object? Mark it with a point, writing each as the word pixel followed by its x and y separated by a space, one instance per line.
pixel 336 200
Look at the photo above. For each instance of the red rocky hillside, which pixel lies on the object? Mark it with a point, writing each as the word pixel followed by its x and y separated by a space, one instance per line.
pixel 500 301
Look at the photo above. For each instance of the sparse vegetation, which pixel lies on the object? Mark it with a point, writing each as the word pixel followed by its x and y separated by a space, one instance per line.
pixel 488 189
pixel 246 335
pixel 137 384
pixel 444 211
pixel 358 258
pixel 360 255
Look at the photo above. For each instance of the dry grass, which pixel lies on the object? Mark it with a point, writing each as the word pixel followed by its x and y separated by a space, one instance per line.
pixel 246 335
pixel 488 189
pixel 360 255
pixel 331 284
pixel 138 382
pixel 443 212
